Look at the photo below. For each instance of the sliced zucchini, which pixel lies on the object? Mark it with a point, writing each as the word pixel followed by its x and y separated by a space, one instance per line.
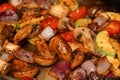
pixel 103 44
pixel 83 22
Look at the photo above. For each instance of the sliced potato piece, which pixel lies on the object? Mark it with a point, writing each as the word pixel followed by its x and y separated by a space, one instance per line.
pixel 113 15
pixel 116 46
pixel 115 65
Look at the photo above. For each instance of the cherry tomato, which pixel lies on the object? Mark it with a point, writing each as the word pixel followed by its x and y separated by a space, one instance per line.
pixel 50 21
pixel 113 27
pixel 5 7
pixel 68 36
pixel 26 78
pixel 79 13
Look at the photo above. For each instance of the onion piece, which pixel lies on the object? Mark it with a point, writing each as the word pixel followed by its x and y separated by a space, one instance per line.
pixel 89 66
pixel 78 74
pixel 103 66
pixel 101 20
pixel 24 55
pixel 61 70
pixel 47 33
pixel 15 2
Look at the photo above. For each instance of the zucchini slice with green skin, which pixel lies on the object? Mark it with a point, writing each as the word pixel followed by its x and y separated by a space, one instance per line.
pixel 82 22
pixel 103 44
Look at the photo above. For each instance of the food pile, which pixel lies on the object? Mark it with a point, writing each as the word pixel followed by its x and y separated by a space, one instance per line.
pixel 74 41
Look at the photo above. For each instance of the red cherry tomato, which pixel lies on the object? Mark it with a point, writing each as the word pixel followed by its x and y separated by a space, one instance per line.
pixel 68 36
pixel 113 27
pixel 5 7
pixel 79 13
pixel 50 21
pixel 26 78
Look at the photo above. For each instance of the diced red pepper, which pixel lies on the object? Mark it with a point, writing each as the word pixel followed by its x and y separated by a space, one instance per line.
pixel 79 13
pixel 68 36
pixel 6 6
pixel 50 21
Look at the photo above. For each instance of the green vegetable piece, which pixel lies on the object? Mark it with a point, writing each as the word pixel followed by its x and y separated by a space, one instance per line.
pixel 16 25
pixel 82 22
pixel 32 40
pixel 103 44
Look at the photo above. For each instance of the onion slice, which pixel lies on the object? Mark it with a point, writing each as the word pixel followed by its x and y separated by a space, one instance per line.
pixel 102 65
pixel 47 33
pixel 24 55
pixel 78 74
pixel 89 66
pixel 61 69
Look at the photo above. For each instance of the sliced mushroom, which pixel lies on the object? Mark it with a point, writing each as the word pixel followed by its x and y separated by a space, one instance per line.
pixel 84 36
pixel 22 33
pixel 59 10
pixel 23 69
pixel 61 47
pixel 45 61
pixel 44 57
pixel 43 49
pixel 72 4
pixel 78 57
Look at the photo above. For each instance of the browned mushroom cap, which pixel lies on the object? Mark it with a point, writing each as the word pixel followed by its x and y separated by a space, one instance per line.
pixel 29 73
pixel 84 36
pixel 61 47
pixel 78 56
pixel 22 33
pixel 45 61
pixel 43 49
pixel 23 69
pixel 44 57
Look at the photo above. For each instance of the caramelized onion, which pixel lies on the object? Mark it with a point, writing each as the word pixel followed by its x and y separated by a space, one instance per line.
pixel 78 74
pixel 47 33
pixel 100 20
pixel 61 69
pixel 102 66
pixel 24 55
pixel 88 66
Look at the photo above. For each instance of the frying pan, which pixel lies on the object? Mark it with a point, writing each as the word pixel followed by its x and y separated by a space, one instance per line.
pixel 111 3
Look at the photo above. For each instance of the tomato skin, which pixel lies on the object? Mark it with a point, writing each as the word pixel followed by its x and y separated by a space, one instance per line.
pixel 79 13
pixel 26 78
pixel 5 7
pixel 113 27
pixel 50 21
pixel 68 36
